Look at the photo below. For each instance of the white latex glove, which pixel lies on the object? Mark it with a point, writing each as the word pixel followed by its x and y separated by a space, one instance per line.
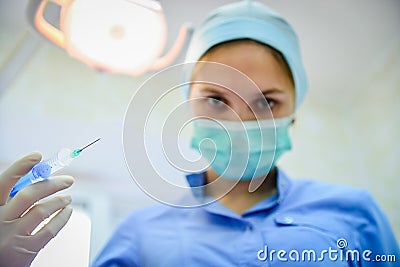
pixel 20 215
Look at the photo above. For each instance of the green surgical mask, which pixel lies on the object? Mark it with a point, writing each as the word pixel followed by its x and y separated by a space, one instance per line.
pixel 239 150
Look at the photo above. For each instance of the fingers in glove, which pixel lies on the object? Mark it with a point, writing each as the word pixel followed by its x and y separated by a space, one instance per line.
pixel 28 196
pixel 11 175
pixel 50 230
pixel 42 211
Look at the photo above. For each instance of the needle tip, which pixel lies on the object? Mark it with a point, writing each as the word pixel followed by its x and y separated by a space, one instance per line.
pixel 89 144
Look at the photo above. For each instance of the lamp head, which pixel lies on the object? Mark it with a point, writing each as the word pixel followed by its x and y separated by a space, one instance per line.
pixel 119 36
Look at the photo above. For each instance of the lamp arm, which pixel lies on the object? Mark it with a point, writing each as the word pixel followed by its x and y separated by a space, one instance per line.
pixel 52 33
pixel 176 48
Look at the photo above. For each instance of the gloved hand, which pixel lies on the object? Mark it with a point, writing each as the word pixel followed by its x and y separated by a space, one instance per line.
pixel 20 215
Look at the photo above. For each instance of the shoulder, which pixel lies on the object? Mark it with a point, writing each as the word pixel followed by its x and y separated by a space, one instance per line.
pixel 154 216
pixel 356 204
pixel 321 190
pixel 137 235
pixel 354 208
pixel 335 206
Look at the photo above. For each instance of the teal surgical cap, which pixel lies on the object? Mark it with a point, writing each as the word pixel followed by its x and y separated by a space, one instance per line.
pixel 250 20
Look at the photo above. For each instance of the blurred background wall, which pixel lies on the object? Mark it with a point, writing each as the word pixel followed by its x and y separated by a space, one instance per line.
pixel 346 131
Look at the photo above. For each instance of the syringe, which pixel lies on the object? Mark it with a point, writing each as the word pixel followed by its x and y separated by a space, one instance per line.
pixel 44 169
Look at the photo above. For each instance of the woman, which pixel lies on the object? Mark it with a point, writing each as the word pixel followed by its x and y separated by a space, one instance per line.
pixel 261 216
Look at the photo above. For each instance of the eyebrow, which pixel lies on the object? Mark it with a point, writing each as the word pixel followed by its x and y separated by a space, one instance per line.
pixel 215 90
pixel 225 90
pixel 271 90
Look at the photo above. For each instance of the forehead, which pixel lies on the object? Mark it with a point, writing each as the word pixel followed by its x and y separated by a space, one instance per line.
pixel 214 75
pixel 242 66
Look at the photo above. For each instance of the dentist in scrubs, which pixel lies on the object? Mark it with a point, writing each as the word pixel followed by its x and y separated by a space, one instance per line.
pixel 283 221
pixel 280 222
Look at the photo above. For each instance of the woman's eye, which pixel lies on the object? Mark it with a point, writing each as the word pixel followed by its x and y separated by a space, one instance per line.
pixel 216 101
pixel 266 103
pixel 271 103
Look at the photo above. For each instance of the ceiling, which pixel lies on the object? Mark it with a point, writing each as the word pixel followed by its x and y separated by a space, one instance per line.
pixel 340 40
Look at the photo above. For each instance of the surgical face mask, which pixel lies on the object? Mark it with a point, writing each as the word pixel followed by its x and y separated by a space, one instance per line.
pixel 239 150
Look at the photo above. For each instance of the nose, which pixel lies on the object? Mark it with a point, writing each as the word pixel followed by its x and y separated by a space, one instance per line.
pixel 243 112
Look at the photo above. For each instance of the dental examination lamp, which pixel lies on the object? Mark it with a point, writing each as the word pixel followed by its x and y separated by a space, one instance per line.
pixel 117 36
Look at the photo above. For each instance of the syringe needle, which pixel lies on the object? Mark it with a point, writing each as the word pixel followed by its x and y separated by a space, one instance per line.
pixel 80 150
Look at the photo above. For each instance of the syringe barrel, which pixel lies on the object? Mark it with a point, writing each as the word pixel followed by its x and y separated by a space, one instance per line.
pixel 61 160
pixel 44 169
pixel 23 182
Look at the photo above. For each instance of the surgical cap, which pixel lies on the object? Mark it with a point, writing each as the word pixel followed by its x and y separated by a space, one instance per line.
pixel 250 20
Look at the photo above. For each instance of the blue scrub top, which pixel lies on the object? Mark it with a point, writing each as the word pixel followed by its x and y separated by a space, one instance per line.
pixel 308 223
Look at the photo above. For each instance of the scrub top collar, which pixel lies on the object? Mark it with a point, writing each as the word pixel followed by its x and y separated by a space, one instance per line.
pixel 198 180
